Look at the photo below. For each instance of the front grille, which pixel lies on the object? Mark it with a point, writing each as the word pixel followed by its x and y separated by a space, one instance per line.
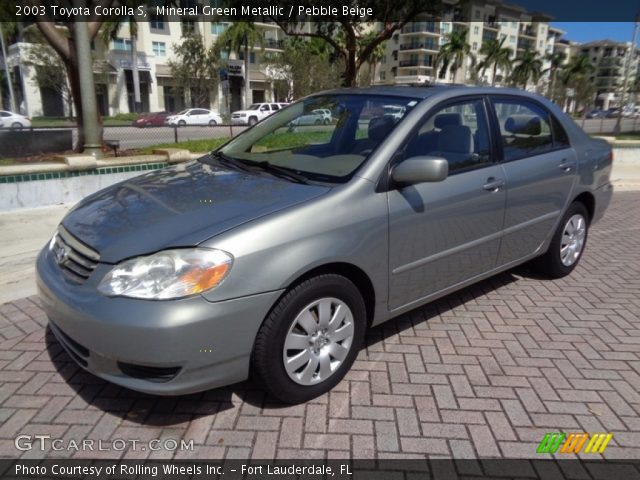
pixel 150 374
pixel 75 259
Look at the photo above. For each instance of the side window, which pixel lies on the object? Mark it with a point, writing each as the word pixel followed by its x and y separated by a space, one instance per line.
pixel 560 137
pixel 458 133
pixel 525 128
pixel 274 107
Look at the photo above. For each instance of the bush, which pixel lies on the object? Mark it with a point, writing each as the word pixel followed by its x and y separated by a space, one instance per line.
pixel 124 117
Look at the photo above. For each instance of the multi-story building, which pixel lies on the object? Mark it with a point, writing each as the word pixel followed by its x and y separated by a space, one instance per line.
pixel 412 52
pixel 154 46
pixel 610 60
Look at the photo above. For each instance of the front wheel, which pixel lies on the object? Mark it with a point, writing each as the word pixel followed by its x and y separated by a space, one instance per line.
pixel 252 121
pixel 567 244
pixel 310 339
pixel 182 123
pixel 16 126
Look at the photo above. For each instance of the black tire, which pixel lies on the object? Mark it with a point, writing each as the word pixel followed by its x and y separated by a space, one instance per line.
pixel 16 126
pixel 267 359
pixel 318 122
pixel 252 121
pixel 182 123
pixel 212 123
pixel 326 121
pixel 550 264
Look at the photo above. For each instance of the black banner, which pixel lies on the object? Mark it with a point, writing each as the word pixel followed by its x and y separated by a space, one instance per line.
pixel 502 469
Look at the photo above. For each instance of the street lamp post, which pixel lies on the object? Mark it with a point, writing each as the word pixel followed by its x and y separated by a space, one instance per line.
pixel 7 72
pixel 623 98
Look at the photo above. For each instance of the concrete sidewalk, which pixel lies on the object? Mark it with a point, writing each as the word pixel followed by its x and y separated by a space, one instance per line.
pixel 24 232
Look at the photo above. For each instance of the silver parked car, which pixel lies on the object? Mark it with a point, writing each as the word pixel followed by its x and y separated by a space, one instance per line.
pixel 275 253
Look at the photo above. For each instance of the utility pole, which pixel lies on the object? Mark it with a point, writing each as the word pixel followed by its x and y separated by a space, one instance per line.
pixel 7 71
pixel 629 60
pixel 92 144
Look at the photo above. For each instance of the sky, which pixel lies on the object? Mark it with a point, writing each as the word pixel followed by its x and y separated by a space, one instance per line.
pixel 587 31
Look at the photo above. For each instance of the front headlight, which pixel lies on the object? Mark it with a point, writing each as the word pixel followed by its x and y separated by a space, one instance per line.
pixel 168 274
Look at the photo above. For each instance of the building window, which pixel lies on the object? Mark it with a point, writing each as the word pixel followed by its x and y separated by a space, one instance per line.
pixel 224 55
pixel 188 27
pixel 512 39
pixel 159 49
pixel 475 45
pixel 477 13
pixel 122 44
pixel 383 75
pixel 252 56
pixel 217 28
pixel 476 30
pixel 157 22
pixel 446 27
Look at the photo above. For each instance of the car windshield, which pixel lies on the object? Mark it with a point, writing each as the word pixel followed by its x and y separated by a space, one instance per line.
pixel 255 106
pixel 325 148
pixel 183 112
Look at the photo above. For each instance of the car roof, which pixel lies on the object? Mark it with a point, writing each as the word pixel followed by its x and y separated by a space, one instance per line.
pixel 425 90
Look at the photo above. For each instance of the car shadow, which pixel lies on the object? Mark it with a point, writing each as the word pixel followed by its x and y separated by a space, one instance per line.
pixel 153 410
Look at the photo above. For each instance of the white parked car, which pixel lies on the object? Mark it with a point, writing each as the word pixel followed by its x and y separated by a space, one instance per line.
pixel 195 116
pixel 14 121
pixel 255 113
pixel 320 116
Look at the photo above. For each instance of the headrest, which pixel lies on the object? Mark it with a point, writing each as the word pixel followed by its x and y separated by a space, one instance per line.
pixel 444 119
pixel 523 124
pixel 455 139
pixel 379 127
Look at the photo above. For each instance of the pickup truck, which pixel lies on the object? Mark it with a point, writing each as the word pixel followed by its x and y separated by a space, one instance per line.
pixel 255 113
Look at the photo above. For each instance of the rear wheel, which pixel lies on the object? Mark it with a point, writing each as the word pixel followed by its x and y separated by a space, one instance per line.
pixel 212 123
pixel 310 339
pixel 567 244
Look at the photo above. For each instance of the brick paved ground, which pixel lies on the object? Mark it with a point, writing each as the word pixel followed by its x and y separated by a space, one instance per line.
pixel 484 372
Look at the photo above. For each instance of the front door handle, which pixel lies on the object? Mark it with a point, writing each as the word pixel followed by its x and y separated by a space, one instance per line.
pixel 493 184
pixel 567 165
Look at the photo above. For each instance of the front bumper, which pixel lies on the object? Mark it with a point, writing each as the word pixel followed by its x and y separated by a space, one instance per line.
pixel 239 121
pixel 167 347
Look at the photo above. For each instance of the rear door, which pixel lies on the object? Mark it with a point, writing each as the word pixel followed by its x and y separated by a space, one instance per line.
pixel 540 169
pixel 442 234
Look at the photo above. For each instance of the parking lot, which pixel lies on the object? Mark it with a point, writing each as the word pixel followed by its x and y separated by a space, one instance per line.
pixel 485 372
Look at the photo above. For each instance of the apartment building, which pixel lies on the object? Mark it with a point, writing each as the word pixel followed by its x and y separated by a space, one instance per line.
pixel 610 59
pixel 411 53
pixel 154 47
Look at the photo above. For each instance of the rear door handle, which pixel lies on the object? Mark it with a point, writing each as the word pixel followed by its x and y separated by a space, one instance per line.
pixel 566 165
pixel 493 184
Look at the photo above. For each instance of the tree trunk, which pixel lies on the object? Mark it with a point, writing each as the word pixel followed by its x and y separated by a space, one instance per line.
pixel 350 69
pixel 247 80
pixel 74 86
pixel 493 78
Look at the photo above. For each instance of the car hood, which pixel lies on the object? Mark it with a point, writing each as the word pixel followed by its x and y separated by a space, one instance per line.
pixel 178 206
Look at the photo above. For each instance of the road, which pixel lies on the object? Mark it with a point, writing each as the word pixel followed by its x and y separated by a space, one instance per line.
pixel 131 137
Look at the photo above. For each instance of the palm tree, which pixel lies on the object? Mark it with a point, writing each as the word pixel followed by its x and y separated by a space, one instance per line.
pixel 454 52
pixel 376 55
pixel 576 66
pixel 529 67
pixel 241 37
pixel 496 55
pixel 556 60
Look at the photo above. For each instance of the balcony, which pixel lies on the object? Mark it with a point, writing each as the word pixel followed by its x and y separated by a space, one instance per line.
pixel 491 24
pixel 527 32
pixel 415 63
pixel 524 44
pixel 272 43
pixel 422 27
pixel 433 46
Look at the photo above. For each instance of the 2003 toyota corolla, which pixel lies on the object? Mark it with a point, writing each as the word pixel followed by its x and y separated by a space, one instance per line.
pixel 274 254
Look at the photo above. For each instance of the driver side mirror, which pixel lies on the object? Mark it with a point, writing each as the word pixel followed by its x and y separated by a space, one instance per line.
pixel 420 170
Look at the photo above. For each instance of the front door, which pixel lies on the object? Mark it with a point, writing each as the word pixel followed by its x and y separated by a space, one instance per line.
pixel 540 168
pixel 444 233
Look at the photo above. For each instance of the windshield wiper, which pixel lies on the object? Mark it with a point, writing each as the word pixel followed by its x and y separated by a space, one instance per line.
pixel 230 161
pixel 281 172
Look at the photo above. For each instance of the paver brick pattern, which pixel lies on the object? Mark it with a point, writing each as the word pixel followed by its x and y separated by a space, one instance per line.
pixel 485 372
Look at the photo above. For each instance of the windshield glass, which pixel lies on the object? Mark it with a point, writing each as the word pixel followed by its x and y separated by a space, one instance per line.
pixel 183 112
pixel 255 106
pixel 325 137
